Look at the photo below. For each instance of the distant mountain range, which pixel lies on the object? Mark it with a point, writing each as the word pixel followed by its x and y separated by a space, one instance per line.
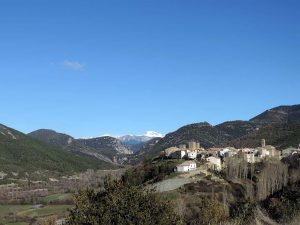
pixel 105 148
pixel 135 142
pixel 139 138
pixel 52 151
pixel 280 127
pixel 117 149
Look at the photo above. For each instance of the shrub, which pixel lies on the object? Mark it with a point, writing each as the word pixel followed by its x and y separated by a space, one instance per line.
pixel 121 203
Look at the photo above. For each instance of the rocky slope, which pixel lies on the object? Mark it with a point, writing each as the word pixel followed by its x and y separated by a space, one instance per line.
pixel 142 149
pixel 136 142
pixel 105 148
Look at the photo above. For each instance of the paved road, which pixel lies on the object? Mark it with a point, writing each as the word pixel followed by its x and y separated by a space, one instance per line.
pixel 177 182
pixel 181 180
pixel 171 184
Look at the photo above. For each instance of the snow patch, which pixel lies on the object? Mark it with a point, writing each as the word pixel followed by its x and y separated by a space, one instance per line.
pixel 148 134
pixel 153 134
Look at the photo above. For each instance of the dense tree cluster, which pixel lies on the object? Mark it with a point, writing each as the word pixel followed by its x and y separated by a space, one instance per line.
pixel 150 171
pixel 273 178
pixel 237 168
pixel 120 204
pixel 260 179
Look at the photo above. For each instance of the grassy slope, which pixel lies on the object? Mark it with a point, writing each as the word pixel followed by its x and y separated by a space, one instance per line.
pixel 59 210
pixel 57 198
pixel 27 154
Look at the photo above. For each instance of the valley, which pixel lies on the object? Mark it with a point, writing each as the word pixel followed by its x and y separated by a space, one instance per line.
pixel 42 170
pixel 149 112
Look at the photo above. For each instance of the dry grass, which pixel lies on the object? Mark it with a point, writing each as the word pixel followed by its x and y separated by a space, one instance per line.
pixel 295 221
pixel 261 218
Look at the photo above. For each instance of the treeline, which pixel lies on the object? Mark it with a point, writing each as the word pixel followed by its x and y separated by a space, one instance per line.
pixel 260 179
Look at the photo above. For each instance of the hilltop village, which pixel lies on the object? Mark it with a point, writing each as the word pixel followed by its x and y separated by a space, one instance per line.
pixel 215 158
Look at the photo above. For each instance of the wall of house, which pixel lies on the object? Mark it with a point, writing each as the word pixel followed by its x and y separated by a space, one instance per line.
pixel 182 168
pixel 192 155
pixel 214 163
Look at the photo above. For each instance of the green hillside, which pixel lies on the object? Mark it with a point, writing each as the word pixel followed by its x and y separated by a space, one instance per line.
pixel 21 153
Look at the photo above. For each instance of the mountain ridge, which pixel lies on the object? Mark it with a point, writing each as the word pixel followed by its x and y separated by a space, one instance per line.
pixel 22 153
pixel 104 148
pixel 237 133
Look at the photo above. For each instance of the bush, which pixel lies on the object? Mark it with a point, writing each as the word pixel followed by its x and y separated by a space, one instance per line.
pixel 120 203
pixel 150 172
pixel 212 212
pixel 49 221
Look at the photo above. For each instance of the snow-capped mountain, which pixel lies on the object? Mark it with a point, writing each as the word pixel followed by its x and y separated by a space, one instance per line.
pixel 131 142
pixel 136 142
pixel 136 139
pixel 153 134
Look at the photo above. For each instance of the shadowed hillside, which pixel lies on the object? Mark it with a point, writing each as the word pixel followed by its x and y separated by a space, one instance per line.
pixel 279 126
pixel 104 148
pixel 21 153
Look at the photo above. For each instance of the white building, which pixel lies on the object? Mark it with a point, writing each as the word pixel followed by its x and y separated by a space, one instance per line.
pixel 249 157
pixel 261 152
pixel 268 150
pixel 228 152
pixel 192 155
pixel 186 166
pixel 214 163
pixel 273 151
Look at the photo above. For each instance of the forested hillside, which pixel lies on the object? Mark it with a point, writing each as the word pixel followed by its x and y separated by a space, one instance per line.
pixel 21 153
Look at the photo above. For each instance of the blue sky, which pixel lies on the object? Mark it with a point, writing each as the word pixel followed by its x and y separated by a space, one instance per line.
pixel 92 67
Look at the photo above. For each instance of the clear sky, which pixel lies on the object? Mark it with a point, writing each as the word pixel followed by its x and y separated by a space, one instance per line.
pixel 88 68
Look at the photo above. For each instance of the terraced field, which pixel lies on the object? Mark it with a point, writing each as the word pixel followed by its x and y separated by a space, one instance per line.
pixel 58 210
pixel 23 214
pixel 57 198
